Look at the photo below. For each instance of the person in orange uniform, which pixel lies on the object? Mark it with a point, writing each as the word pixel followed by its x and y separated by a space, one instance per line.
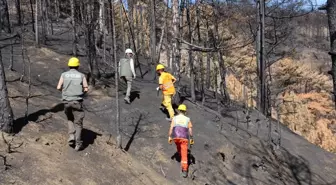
pixel 166 82
pixel 181 132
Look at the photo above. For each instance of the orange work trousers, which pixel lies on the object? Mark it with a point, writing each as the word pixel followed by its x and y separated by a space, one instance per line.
pixel 182 149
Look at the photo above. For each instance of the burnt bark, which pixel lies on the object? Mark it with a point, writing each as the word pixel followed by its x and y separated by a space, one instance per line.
pixel 4 17
pixel 119 139
pixel 190 57
pixel 153 33
pixel 32 14
pixel 176 43
pixel 43 22
pixel 122 27
pixel 6 115
pixel 18 11
pixel 331 12
pixel 73 23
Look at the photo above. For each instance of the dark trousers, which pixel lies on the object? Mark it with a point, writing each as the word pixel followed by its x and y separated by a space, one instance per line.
pixel 75 115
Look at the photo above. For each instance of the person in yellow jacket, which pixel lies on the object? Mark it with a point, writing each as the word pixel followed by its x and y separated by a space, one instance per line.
pixel 181 132
pixel 166 85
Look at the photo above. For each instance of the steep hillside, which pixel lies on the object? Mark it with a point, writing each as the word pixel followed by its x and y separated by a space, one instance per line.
pixel 224 152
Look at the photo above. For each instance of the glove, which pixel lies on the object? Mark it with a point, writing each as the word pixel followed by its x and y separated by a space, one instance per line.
pixel 158 88
pixel 170 140
pixel 191 141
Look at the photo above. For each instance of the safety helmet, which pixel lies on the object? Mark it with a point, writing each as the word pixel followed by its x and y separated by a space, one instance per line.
pixel 73 62
pixel 160 66
pixel 182 107
pixel 128 51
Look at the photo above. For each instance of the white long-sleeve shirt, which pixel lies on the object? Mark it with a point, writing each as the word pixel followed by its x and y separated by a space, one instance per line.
pixel 132 66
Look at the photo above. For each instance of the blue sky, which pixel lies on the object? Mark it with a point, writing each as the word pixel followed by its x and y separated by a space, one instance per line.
pixel 319 2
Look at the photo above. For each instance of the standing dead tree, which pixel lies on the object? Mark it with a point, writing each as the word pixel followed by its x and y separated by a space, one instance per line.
pixel 153 32
pixel 119 140
pixel 130 24
pixel 176 43
pixel 331 12
pixel 6 116
pixel 73 22
pixel 90 38
pixel 4 17
pixel 18 11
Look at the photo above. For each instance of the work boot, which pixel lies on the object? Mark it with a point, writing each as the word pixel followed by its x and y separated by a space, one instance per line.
pixel 71 140
pixel 127 100
pixel 78 147
pixel 184 174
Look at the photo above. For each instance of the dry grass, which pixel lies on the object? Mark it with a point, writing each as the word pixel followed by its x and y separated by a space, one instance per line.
pixel 306 107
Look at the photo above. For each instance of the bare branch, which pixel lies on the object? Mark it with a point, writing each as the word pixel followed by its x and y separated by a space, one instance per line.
pixel 214 49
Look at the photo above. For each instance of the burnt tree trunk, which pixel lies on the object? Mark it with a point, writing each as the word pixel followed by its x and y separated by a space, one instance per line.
pixel 209 54
pixel 119 141
pixel 6 116
pixel 4 17
pixel 57 9
pixel 73 22
pixel 201 58
pixel 37 40
pixel 141 28
pixel 190 57
pixel 176 42
pixel 32 14
pixel 43 22
pixel 331 12
pixel 122 27
pixel 18 11
pixel 91 45
pixel 153 33
pixel 222 67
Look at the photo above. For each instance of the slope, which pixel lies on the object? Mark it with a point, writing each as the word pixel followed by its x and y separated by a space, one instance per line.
pixel 228 150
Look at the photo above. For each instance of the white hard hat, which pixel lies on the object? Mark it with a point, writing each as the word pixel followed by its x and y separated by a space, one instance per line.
pixel 129 51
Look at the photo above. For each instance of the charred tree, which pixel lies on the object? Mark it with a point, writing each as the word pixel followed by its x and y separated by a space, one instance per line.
pixel 190 56
pixel 119 141
pixel 37 40
pixel 57 9
pixel 4 17
pixel 262 96
pixel 201 58
pixel 153 32
pixel 91 44
pixel 6 116
pixel 32 14
pixel 122 27
pixel 176 43
pixel 331 12
pixel 43 22
pixel 18 11
pixel 73 23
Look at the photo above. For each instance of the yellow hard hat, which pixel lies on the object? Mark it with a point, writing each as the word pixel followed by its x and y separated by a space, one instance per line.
pixel 182 107
pixel 159 66
pixel 73 62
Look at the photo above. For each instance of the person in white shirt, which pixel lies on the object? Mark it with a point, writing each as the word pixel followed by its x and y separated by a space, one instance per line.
pixel 127 72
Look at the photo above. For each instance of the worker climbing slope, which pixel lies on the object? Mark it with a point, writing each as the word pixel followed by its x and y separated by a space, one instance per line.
pixel 127 72
pixel 73 85
pixel 181 132
pixel 166 85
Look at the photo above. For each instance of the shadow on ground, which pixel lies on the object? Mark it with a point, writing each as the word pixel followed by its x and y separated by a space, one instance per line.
pixel 22 122
pixel 259 163
pixel 191 158
pixel 88 137
pixel 134 95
